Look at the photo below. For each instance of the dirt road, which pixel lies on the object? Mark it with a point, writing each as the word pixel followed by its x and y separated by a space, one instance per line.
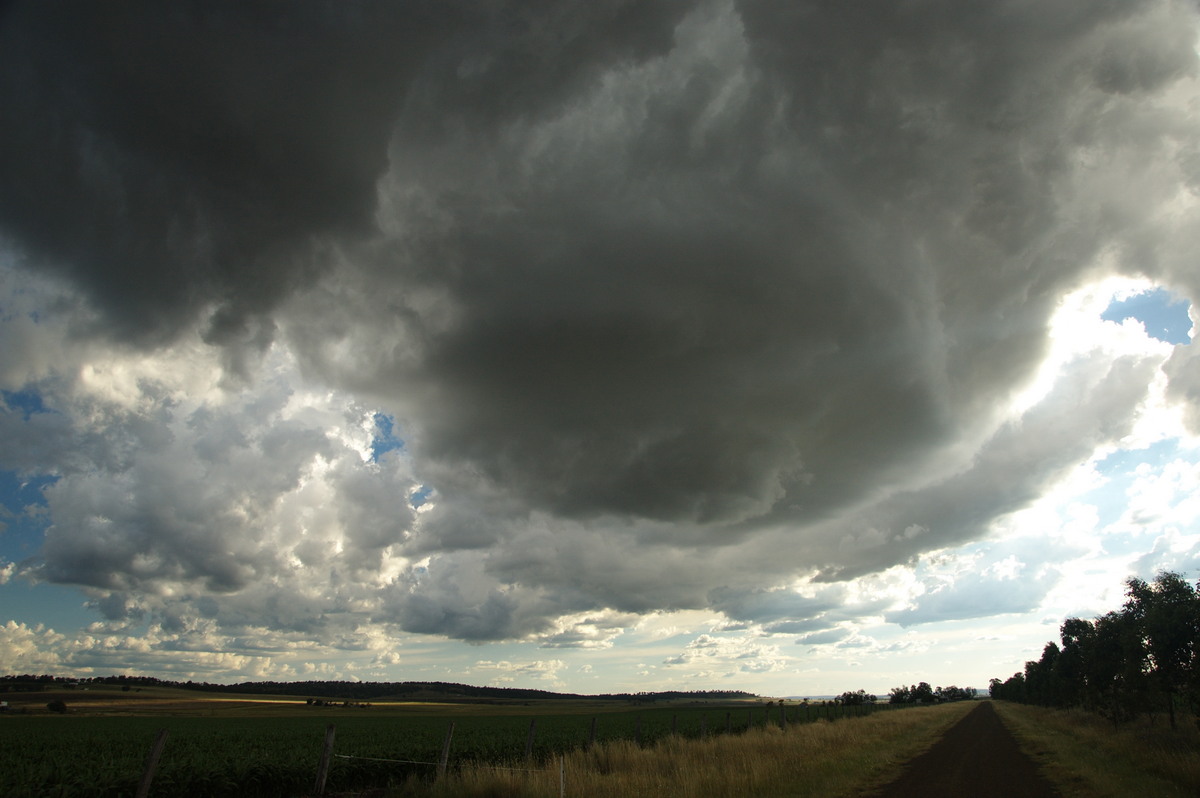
pixel 978 758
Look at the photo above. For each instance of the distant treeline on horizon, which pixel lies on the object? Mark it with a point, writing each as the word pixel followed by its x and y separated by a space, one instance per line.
pixel 444 691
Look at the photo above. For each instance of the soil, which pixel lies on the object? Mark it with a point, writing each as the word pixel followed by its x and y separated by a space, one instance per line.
pixel 978 757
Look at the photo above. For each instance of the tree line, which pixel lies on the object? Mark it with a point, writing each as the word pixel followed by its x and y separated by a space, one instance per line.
pixel 921 693
pixel 924 694
pixel 1141 659
pixel 358 691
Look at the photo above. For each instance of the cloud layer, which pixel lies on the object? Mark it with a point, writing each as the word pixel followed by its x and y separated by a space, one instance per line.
pixel 672 304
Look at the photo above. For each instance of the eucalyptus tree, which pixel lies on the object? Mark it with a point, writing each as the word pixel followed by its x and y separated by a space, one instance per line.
pixel 1167 614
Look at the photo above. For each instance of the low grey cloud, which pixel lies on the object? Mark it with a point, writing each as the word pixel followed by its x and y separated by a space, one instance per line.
pixel 202 158
pixel 825 638
pixel 674 304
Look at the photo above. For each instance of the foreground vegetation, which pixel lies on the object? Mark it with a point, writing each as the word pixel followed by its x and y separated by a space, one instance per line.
pixel 263 746
pixel 823 758
pixel 1084 755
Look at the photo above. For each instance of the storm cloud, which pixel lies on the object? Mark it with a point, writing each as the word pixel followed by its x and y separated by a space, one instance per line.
pixel 672 304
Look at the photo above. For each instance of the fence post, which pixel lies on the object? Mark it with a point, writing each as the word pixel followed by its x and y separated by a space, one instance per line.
pixel 562 775
pixel 151 764
pixel 592 736
pixel 529 739
pixel 326 755
pixel 445 752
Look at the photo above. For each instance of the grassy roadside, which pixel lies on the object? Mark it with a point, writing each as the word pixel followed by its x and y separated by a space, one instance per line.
pixel 1085 756
pixel 842 758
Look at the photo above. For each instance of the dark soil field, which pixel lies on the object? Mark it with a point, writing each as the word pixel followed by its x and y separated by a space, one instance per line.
pixel 978 757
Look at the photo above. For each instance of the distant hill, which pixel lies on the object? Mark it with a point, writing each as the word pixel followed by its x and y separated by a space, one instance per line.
pixel 369 691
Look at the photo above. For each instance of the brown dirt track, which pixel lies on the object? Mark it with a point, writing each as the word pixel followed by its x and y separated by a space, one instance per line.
pixel 977 758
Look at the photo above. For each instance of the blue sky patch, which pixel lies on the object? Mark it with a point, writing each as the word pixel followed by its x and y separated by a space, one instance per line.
pixel 59 607
pixel 28 402
pixel 385 439
pixel 1164 314
pixel 420 496
pixel 23 531
pixel 1157 454
pixel 1120 471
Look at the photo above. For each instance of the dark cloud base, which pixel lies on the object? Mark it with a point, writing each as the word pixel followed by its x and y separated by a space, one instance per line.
pixel 668 300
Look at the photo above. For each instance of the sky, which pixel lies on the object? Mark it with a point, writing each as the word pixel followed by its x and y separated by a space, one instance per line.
pixel 788 347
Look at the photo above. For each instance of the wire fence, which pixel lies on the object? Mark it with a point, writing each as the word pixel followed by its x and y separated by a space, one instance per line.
pixel 779 715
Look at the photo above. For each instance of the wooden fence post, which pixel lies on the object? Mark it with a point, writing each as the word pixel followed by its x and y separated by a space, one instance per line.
pixel 143 789
pixel 326 756
pixel 529 739
pixel 562 776
pixel 445 752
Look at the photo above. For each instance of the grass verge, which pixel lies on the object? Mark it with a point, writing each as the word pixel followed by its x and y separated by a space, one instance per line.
pixel 845 757
pixel 1085 756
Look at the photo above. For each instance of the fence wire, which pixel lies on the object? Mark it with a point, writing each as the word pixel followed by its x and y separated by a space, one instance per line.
pixel 414 762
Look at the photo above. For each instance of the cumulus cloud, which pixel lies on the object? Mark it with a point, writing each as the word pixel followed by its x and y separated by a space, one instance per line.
pixel 505 671
pixel 674 305
pixel 719 655
pixel 825 638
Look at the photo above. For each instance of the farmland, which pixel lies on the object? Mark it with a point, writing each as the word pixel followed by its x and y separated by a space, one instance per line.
pixel 267 746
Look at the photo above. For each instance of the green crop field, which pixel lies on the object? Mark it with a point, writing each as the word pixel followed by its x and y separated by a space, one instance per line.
pixel 234 748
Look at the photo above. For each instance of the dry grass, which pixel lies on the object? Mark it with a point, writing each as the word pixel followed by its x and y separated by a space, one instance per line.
pixel 1085 756
pixel 845 757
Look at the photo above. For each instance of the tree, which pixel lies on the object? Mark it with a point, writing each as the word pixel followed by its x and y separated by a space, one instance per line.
pixel 857 698
pixel 1011 689
pixel 1167 614
pixel 953 693
pixel 923 693
pixel 1041 679
pixel 1116 668
pixel 1078 637
pixel 914 694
